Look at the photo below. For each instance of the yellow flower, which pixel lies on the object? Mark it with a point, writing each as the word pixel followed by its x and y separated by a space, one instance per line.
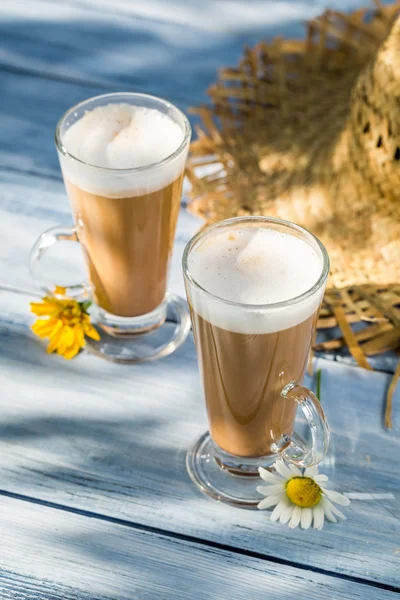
pixel 64 322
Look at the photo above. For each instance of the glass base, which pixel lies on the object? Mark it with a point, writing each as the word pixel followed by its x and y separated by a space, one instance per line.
pixel 140 339
pixel 225 477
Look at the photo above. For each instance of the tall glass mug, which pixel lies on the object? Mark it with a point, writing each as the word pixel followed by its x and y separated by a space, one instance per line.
pixel 254 286
pixel 122 157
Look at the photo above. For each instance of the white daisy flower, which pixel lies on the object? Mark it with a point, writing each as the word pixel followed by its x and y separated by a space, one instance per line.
pixel 299 498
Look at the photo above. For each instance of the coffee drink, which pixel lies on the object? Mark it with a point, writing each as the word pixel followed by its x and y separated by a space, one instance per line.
pixel 128 262
pixel 249 344
pixel 125 213
pixel 254 286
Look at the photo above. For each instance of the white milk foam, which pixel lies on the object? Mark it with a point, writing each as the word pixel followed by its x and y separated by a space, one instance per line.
pixel 254 266
pixel 122 136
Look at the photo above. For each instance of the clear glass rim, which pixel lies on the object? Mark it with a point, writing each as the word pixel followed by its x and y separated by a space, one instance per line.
pixel 186 137
pixel 260 219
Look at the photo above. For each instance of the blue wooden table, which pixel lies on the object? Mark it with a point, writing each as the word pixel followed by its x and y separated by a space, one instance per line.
pixel 95 501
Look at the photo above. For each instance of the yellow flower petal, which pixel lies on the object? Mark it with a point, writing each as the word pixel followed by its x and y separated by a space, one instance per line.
pixel 44 309
pixel 91 332
pixel 66 325
pixel 66 339
pixel 77 343
pixel 57 330
pixel 52 347
pixel 53 300
pixel 45 327
pixel 79 336
pixel 62 339
pixel 71 352
pixel 59 290
pixel 55 338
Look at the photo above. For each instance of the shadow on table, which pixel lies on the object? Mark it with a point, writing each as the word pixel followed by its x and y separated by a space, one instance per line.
pixel 57 61
pixel 94 424
pixel 112 440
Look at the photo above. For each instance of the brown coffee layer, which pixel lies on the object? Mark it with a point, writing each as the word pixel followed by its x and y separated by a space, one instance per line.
pixel 127 243
pixel 243 376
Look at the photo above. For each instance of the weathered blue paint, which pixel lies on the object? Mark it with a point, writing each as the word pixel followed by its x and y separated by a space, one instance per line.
pixel 110 440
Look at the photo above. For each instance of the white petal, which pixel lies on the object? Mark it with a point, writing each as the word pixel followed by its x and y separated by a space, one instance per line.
pixel 271 490
pixel 296 515
pixel 286 513
pixel 318 513
pixel 276 513
pixel 268 476
pixel 306 518
pixel 328 513
pixel 321 478
pixel 334 509
pixel 337 498
pixel 311 471
pixel 330 516
pixel 283 469
pixel 268 502
pixel 295 470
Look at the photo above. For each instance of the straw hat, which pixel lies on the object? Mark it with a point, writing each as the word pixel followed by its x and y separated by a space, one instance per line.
pixel 309 131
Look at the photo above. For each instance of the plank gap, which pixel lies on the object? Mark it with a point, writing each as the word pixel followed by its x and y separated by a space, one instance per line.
pixel 195 540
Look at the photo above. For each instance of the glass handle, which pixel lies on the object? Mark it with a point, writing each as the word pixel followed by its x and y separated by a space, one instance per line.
pixel 46 241
pixel 293 447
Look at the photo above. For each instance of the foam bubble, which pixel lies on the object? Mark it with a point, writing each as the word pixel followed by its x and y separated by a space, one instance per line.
pixel 121 136
pixel 254 266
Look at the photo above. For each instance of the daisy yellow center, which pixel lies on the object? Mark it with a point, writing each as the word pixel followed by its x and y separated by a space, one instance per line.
pixel 303 491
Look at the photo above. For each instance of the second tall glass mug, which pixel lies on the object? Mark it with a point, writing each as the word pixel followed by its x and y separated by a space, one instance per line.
pixel 125 220
pixel 252 360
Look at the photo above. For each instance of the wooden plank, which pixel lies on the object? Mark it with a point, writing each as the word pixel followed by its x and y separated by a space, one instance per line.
pixel 386 362
pixel 49 554
pixel 100 47
pixel 126 461
pixel 220 16
pixel 61 57
pixel 173 49
pixel 96 472
pixel 112 439
pixel 30 108
pixel 61 53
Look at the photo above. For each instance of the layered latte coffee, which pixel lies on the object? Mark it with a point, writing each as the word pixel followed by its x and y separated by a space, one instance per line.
pixel 125 213
pixel 249 343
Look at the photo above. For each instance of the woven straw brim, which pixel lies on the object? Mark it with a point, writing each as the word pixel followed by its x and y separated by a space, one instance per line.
pixel 309 131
